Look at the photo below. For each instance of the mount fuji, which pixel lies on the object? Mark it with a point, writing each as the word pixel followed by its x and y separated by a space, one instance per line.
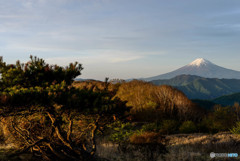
pixel 200 67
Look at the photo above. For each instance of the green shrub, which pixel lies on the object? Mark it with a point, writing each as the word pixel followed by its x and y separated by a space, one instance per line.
pixel 187 127
pixel 121 131
pixel 220 119
pixel 223 118
pixel 236 129
pixel 168 127
pixel 153 127
pixel 204 126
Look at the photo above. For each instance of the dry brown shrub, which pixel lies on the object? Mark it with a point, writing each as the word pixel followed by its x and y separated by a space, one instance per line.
pixel 93 84
pixel 146 138
pixel 164 100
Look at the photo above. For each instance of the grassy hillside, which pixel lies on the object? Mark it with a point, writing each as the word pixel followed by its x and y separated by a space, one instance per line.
pixel 180 80
pixel 202 88
pixel 228 99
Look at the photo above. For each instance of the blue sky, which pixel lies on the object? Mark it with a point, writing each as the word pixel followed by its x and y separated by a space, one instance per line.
pixel 121 38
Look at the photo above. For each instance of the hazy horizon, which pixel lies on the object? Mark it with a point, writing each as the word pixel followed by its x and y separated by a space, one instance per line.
pixel 121 39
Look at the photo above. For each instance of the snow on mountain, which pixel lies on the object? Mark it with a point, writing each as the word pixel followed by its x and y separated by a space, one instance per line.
pixel 200 67
pixel 199 62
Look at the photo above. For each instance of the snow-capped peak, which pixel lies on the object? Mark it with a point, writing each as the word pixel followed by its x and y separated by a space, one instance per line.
pixel 199 62
pixel 200 67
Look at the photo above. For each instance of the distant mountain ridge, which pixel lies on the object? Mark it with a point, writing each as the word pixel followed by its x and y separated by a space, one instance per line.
pixel 82 79
pixel 196 87
pixel 228 99
pixel 200 67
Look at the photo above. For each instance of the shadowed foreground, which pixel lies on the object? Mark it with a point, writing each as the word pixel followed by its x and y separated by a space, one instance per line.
pixel 184 147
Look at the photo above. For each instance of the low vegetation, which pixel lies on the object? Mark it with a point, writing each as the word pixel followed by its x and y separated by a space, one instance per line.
pixel 46 113
pixel 43 113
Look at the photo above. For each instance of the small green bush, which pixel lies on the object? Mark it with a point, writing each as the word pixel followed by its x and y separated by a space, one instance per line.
pixel 187 127
pixel 121 131
pixel 205 126
pixel 169 127
pixel 220 119
pixel 236 129
pixel 151 127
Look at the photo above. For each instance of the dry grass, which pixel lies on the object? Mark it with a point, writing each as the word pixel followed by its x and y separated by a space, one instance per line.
pixel 180 147
pixel 203 139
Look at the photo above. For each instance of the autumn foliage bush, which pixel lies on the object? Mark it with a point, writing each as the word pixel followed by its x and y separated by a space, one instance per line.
pixel 150 102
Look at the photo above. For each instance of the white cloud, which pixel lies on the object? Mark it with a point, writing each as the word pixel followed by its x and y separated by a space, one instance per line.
pixel 125 59
pixel 98 57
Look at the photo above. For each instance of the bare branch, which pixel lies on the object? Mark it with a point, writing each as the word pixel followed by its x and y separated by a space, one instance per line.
pixel 57 130
pixel 69 129
pixel 94 130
